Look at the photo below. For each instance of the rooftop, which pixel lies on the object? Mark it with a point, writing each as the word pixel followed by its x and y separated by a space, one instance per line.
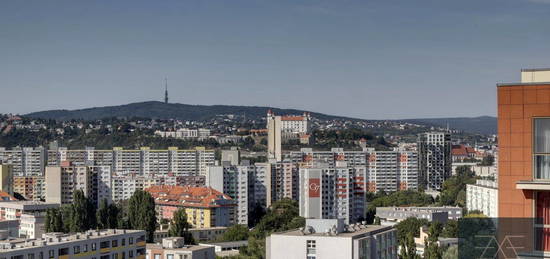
pixel 60 238
pixel 28 205
pixel 355 230
pixel 189 196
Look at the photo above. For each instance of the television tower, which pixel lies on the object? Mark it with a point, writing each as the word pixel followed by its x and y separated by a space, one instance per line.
pixel 165 90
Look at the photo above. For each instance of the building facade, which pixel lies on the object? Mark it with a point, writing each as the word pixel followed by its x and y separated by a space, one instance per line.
pixel 87 245
pixel 332 193
pixel 175 248
pixel 6 178
pixel 483 196
pixel 24 161
pixel 327 239
pixel 434 159
pixel 204 206
pixel 393 215
pixel 524 145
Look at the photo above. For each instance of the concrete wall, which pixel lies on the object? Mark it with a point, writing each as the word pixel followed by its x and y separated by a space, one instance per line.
pixel 53 184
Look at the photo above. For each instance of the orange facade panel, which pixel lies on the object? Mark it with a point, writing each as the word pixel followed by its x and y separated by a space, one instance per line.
pixel 517 106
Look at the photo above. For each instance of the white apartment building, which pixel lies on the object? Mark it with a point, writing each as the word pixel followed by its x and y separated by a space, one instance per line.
pixel 392 171
pixel 92 244
pixel 333 192
pixel 14 209
pixel 175 248
pixel 284 181
pixel 306 157
pixel 274 138
pixel 329 239
pixel 104 183
pixel 483 196
pixel 62 181
pixel 144 161
pixel 434 159
pixel 393 215
pixel 389 171
pixel 247 184
pixel 25 161
pixel 233 181
pixel 185 133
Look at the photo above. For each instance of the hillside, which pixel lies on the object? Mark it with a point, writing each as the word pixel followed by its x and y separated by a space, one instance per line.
pixel 160 110
pixel 482 124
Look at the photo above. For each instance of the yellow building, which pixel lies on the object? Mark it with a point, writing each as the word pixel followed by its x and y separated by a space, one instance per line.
pixel 204 206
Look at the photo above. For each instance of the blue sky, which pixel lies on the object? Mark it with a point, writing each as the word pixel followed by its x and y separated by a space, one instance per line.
pixel 366 59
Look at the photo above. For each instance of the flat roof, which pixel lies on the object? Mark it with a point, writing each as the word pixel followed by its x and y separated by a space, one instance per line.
pixel 227 244
pixel 374 229
pixel 184 248
pixel 62 238
pixel 534 69
pixel 28 205
pixel 522 84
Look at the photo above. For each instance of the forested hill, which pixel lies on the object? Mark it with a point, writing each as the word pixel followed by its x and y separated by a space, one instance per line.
pixel 160 110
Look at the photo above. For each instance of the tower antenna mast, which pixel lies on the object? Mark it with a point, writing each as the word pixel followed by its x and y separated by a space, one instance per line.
pixel 165 90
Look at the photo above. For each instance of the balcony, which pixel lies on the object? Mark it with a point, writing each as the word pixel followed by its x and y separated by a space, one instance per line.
pixel 536 185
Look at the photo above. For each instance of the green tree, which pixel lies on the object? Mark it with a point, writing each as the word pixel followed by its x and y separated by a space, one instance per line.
pixel 450 229
pixel 141 213
pixel 400 198
pixel 235 233
pixel 54 221
pixel 454 189
pixel 432 249
pixel 83 215
pixel 283 215
pixel 410 225
pixel 107 215
pixel 408 247
pixel 488 160
pixel 179 227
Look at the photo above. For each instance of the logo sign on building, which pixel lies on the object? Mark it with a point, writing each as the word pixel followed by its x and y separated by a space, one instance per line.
pixel 314 188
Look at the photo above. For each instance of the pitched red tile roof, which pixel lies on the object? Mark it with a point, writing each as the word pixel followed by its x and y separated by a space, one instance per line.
pixel 189 196
pixel 4 196
pixel 461 150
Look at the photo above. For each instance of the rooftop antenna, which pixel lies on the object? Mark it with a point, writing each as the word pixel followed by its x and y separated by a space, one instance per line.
pixel 165 90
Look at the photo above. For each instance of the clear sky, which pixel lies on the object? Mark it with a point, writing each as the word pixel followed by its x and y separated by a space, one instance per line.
pixel 367 59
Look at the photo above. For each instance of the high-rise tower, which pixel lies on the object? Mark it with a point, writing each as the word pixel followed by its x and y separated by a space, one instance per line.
pixel 165 90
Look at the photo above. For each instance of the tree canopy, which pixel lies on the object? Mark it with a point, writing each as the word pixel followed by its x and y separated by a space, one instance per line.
pixel 141 213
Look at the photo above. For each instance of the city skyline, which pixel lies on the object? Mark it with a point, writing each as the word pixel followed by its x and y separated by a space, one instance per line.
pixel 375 60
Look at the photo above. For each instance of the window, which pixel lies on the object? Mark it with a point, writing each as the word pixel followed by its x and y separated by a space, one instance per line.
pixel 85 249
pixel 76 249
pixel 51 253
pixel 311 249
pixel 131 254
pixel 169 256
pixel 157 256
pixel 63 251
pixel 104 244
pixel 94 246
pixel 114 243
pixel 542 229
pixel 123 242
pixel 131 240
pixel 542 148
